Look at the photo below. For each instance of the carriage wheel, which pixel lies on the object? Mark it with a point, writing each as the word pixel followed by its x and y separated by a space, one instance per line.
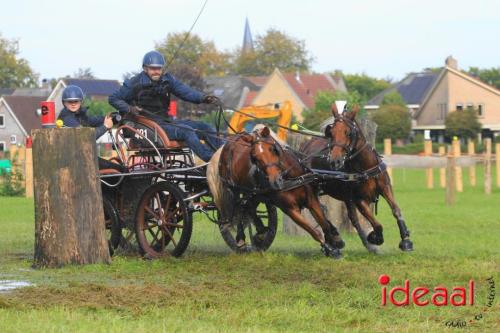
pixel 113 227
pixel 163 224
pixel 264 215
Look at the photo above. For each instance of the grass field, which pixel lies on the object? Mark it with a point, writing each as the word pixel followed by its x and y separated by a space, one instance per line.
pixel 292 287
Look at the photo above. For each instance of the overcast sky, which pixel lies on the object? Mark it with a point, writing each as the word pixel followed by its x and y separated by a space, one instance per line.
pixel 384 38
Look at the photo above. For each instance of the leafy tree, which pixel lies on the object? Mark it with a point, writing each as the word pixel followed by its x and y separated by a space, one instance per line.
pixel 322 107
pixel 98 107
pixel 393 121
pixel 12 184
pixel 463 123
pixel 490 76
pixel 365 85
pixel 14 71
pixel 393 98
pixel 202 56
pixel 274 49
pixel 84 73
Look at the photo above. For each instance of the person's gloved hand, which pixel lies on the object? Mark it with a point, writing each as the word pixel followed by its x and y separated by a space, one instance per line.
pixel 134 110
pixel 211 99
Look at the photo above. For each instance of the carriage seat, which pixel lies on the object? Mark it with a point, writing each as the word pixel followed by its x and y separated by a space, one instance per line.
pixel 167 143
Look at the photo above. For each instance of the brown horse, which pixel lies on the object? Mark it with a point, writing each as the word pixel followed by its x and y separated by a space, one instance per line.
pixel 257 165
pixel 345 148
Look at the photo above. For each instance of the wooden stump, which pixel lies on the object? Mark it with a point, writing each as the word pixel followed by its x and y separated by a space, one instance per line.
pixel 28 173
pixel 487 166
pixel 428 172
pixel 69 217
pixel 472 170
pixel 450 178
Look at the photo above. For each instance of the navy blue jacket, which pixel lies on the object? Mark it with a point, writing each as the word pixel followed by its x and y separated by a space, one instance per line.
pixel 153 96
pixel 80 118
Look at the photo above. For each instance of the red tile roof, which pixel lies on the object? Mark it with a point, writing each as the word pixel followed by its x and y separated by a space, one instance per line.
pixel 249 98
pixel 24 108
pixel 258 80
pixel 308 85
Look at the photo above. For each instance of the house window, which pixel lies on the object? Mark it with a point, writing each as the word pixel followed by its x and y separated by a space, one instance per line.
pixel 2 146
pixel 13 139
pixel 470 106
pixel 443 110
pixel 2 120
pixel 480 110
pixel 460 106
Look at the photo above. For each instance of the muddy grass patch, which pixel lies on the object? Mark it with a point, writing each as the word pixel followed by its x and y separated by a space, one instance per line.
pixel 133 299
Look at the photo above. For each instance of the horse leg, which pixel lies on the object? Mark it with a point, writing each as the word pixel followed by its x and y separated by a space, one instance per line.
pixel 331 233
pixel 376 236
pixel 240 236
pixel 351 212
pixel 405 244
pixel 327 249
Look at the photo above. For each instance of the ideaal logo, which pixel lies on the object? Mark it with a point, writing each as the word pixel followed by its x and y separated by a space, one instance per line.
pixel 438 296
pixel 422 296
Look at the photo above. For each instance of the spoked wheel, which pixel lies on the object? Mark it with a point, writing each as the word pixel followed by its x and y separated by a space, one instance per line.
pixel 255 230
pixel 163 224
pixel 113 227
pixel 128 241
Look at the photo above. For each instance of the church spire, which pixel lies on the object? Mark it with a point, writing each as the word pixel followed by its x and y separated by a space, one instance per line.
pixel 247 39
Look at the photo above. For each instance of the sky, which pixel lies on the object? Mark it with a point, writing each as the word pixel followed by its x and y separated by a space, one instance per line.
pixel 384 38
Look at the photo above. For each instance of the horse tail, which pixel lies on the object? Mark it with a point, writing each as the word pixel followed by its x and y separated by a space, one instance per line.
pixel 223 198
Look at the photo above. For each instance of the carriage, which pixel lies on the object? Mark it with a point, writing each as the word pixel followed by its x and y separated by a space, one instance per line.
pixel 152 189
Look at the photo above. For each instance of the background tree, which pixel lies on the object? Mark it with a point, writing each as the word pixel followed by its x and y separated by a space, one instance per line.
pixel 393 121
pixel 98 107
pixel 84 73
pixel 322 107
pixel 202 56
pixel 15 72
pixel 393 98
pixel 273 49
pixel 366 86
pixel 463 123
pixel 490 76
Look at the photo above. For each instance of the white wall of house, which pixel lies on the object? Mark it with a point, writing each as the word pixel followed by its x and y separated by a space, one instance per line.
pixel 10 129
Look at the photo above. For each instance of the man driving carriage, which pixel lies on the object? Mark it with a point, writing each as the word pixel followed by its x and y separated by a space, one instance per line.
pixel 148 94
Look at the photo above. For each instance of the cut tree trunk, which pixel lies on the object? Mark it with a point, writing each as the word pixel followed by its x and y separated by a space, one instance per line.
pixel 69 217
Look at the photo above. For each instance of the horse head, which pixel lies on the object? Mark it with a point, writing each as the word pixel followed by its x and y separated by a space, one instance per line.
pixel 343 135
pixel 267 154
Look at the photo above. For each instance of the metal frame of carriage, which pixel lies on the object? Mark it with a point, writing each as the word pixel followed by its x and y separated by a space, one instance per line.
pixel 150 207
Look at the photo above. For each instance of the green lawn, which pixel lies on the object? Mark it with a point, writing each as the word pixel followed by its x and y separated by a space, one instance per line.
pixel 292 287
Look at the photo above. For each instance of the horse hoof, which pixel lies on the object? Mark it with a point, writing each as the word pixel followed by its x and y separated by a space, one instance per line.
pixel 406 245
pixel 372 248
pixel 331 252
pixel 374 238
pixel 339 244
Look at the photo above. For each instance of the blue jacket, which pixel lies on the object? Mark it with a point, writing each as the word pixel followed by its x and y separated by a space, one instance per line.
pixel 80 118
pixel 153 96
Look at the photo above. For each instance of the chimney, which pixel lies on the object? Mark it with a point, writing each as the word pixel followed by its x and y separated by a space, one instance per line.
pixel 46 84
pixel 297 76
pixel 451 62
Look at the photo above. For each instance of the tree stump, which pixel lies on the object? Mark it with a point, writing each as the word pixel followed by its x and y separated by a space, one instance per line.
pixel 69 217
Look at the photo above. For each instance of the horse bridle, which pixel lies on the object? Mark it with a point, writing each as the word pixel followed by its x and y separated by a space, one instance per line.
pixel 275 145
pixel 353 136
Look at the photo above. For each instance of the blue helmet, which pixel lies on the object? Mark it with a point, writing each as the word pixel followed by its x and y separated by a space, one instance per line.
pixel 153 59
pixel 72 93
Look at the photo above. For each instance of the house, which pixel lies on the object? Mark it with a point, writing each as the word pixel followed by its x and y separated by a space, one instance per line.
pixel 234 91
pixel 430 96
pixel 92 88
pixel 298 88
pixel 17 119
